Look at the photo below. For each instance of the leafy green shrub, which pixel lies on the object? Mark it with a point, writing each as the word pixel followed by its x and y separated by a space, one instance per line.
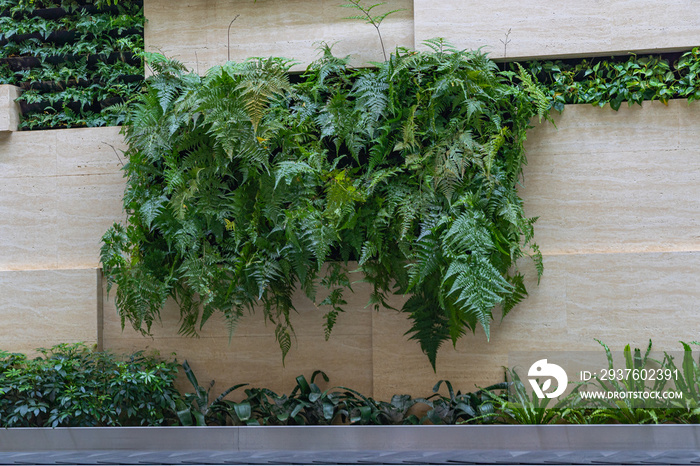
pixel 242 188
pixel 687 409
pixel 630 411
pixel 72 386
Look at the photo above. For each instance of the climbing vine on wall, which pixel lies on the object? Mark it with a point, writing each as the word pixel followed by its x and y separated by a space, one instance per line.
pixel 242 188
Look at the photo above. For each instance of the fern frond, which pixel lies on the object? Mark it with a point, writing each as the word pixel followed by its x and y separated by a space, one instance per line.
pixel 541 100
pixel 243 188
pixel 468 234
pixel 284 339
pixel 150 209
pixel 262 80
pixel 430 326
pixel 287 170
pixel 476 287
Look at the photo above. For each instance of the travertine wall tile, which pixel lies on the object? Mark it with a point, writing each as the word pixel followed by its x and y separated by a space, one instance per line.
pixel 630 298
pixel 41 308
pixel 688 121
pixel 588 128
pixel 257 361
pixel 24 154
pixel 196 32
pixel 650 25
pixel 566 28
pixel 29 219
pixel 615 182
pixel 61 190
pixel 90 151
pixel 87 205
pixel 346 357
pixel 9 109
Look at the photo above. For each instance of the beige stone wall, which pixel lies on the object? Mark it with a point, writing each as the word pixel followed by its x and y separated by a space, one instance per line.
pixel 195 32
pixel 564 28
pixel 60 190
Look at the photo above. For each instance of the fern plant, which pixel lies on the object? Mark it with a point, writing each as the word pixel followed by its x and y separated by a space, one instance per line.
pixel 242 188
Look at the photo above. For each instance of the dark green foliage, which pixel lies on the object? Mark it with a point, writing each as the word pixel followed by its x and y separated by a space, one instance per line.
pixel 31 5
pixel 639 411
pixel 614 81
pixel 309 404
pixel 242 188
pixel 194 409
pixel 73 60
pixel 71 386
pixel 461 408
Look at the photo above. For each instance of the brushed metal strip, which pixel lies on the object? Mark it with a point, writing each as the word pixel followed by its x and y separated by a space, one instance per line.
pixel 119 438
pixel 356 438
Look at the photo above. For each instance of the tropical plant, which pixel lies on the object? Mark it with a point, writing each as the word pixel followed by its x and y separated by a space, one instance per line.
pixel 631 410
pixel 194 409
pixel 686 381
pixel 615 80
pixel 266 407
pixel 462 408
pixel 365 410
pixel 520 407
pixel 242 188
pixel 314 406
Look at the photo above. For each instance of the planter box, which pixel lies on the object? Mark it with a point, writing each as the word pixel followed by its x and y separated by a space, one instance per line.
pixel 9 109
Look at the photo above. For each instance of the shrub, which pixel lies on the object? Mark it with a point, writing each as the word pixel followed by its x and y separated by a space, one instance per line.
pixel 70 385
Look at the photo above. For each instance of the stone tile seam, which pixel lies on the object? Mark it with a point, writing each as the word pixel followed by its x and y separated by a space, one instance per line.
pixel 66 175
pixel 48 269
pixel 621 253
